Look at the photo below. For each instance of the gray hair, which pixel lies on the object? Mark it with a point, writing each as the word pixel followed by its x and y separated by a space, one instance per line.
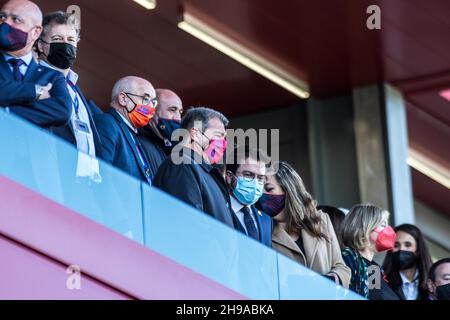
pixel 123 85
pixel 204 115
pixel 60 18
pixel 359 223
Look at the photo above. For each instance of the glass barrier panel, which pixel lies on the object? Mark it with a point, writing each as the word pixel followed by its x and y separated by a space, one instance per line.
pixel 55 169
pixel 209 247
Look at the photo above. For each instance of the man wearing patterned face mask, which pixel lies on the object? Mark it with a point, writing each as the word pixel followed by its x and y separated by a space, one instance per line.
pixel 35 93
pixel 189 173
pixel 156 136
pixel 245 177
pixel 57 48
pixel 133 105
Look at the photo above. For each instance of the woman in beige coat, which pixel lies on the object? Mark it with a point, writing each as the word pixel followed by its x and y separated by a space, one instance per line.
pixel 301 232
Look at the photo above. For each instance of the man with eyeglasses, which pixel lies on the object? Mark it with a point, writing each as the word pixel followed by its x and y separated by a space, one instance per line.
pixel 190 174
pixel 245 177
pixel 57 49
pixel 132 107
pixel 156 136
pixel 35 93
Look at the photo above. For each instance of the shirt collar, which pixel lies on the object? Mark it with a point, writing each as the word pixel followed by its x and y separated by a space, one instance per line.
pixel 72 76
pixel 26 58
pixel 127 123
pixel 405 279
pixel 236 205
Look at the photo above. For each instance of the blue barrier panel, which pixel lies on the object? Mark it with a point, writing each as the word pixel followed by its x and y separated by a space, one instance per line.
pixel 209 247
pixel 52 167
pixel 55 169
pixel 300 283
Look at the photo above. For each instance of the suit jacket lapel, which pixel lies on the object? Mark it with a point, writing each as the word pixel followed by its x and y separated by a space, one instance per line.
pixel 127 133
pixel 259 221
pixel 400 292
pixel 311 245
pixel 5 71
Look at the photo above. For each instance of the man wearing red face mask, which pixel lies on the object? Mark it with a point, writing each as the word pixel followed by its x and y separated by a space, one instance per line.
pixel 132 107
pixel 190 174
pixel 365 233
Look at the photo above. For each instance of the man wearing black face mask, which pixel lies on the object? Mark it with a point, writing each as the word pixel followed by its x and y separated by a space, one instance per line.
pixel 439 280
pixel 35 93
pixel 57 48
pixel 156 136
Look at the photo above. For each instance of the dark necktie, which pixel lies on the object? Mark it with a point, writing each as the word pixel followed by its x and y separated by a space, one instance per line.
pixel 16 64
pixel 249 223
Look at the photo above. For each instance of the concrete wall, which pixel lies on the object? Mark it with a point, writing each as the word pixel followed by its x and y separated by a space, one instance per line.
pixel 293 126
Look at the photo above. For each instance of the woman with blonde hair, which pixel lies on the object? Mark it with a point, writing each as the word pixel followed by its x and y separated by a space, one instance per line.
pixel 365 233
pixel 301 232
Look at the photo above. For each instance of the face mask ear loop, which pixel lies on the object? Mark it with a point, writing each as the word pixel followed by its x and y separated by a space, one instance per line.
pixel 135 105
pixel 209 140
pixel 36 47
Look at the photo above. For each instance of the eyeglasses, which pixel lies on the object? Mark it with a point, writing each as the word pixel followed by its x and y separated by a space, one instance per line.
pixel 250 176
pixel 146 100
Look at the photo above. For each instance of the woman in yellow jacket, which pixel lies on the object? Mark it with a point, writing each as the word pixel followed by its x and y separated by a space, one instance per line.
pixel 301 232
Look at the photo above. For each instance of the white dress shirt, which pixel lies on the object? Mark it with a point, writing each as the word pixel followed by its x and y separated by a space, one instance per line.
pixel 410 289
pixel 87 164
pixel 237 206
pixel 85 140
pixel 23 68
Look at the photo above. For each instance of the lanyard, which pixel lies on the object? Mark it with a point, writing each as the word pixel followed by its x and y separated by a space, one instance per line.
pixel 76 101
pixel 76 105
pixel 142 158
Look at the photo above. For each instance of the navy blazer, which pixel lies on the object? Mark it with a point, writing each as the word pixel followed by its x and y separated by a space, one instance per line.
pixel 67 133
pixel 264 223
pixel 198 184
pixel 118 147
pixel 20 96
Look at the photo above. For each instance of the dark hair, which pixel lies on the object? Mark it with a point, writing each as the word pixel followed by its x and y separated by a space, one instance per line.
pixel 61 18
pixel 337 217
pixel 432 272
pixel 300 207
pixel 202 114
pixel 423 256
pixel 241 154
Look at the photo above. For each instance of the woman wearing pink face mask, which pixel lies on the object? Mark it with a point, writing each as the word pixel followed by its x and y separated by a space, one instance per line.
pixel 366 232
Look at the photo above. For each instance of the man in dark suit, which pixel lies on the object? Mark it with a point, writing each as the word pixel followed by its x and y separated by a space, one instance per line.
pixel 245 177
pixel 133 105
pixel 35 93
pixel 156 136
pixel 189 173
pixel 57 48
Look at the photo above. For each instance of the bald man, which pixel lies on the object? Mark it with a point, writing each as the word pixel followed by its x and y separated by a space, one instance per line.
pixel 156 136
pixel 33 92
pixel 133 105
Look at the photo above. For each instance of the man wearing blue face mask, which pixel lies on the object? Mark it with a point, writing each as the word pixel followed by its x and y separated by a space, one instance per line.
pixel 156 136
pixel 245 177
